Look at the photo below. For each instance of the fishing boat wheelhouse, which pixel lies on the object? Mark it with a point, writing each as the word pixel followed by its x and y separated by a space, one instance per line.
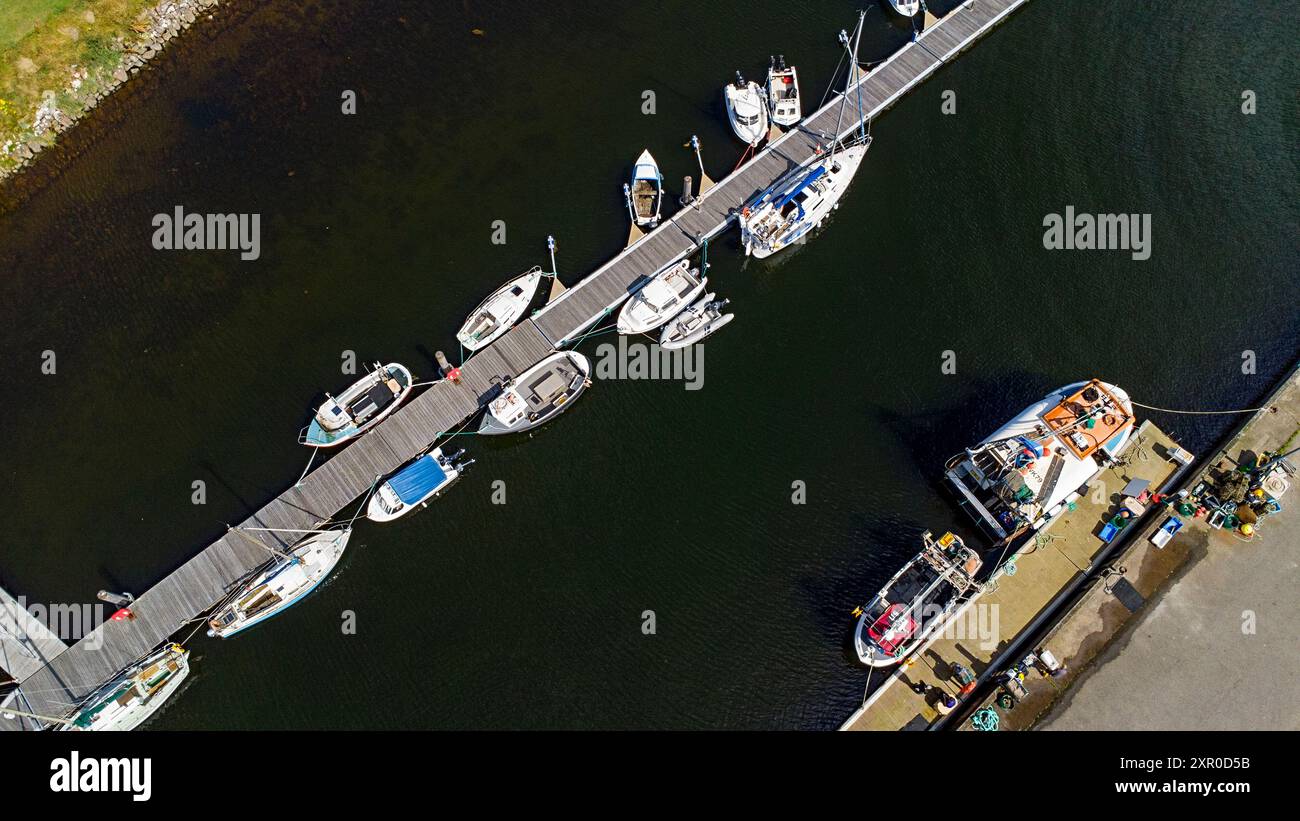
pixel 1024 475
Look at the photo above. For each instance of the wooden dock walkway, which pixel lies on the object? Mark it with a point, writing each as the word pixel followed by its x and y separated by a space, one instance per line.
pixel 191 590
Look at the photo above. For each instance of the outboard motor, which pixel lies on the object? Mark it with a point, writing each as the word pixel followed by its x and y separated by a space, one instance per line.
pixel 461 467
pixel 740 81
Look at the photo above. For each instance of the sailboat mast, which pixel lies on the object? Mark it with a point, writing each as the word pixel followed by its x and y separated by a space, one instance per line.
pixel 857 68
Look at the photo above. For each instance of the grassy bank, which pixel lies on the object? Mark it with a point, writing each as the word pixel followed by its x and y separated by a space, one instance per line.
pixel 58 57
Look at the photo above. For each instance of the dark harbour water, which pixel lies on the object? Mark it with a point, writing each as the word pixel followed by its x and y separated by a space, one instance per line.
pixel 174 367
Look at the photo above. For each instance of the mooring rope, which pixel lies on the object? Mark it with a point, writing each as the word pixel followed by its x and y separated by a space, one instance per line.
pixel 1269 408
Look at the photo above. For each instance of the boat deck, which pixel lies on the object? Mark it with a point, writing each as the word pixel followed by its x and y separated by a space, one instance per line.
pixel 188 592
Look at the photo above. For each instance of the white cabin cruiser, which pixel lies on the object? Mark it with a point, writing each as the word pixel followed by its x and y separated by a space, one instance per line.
pixel 135 695
pixel 746 110
pixel 917 602
pixel 414 485
pixel 540 393
pixel 288 579
pixel 362 406
pixel 660 299
pixel 783 93
pixel 1025 474
pixel 695 323
pixel 645 194
pixel 499 312
pixel 785 213
pixel 907 8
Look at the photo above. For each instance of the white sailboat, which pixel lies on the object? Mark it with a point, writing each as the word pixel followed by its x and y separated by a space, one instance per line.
pixel 500 311
pixel 695 323
pixel 414 485
pixel 660 299
pixel 799 202
pixel 783 93
pixel 645 194
pixel 1024 475
pixel 288 579
pixel 539 394
pixel 359 408
pixel 746 110
pixel 135 695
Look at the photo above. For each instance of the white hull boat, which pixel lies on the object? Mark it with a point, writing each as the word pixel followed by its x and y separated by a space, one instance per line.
pixel 907 8
pixel 499 312
pixel 539 394
pixel 1026 473
pixel 414 485
pixel 285 583
pixel 664 296
pixel 783 94
pixel 134 696
pixel 918 602
pixel 695 323
pixel 362 406
pixel 646 192
pixel 785 213
pixel 746 110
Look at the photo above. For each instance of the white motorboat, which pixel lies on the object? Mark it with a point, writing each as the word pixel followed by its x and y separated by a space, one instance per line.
pixel 783 93
pixel 917 602
pixel 695 323
pixel 746 110
pixel 287 580
pixel 785 213
pixel 646 192
pixel 499 312
pixel 661 298
pixel 539 394
pixel 362 406
pixel 1026 473
pixel 414 485
pixel 907 8
pixel 135 695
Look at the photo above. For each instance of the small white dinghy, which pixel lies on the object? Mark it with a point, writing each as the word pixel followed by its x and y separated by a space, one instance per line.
pixel 362 406
pixel 414 485
pixel 645 194
pixel 695 323
pixel 499 312
pixel 783 93
pixel 907 8
pixel 660 299
pixel 132 697
pixel 746 110
pixel 540 393
pixel 289 578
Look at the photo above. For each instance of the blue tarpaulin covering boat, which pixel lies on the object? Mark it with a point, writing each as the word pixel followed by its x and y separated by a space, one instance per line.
pixel 413 483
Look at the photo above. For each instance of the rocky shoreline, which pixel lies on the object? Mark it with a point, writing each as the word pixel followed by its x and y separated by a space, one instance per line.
pixel 86 87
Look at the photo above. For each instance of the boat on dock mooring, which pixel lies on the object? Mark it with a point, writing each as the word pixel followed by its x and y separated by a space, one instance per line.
pixel 500 311
pixel 134 695
pixel 539 394
pixel 917 602
pixel 695 323
pixel 290 577
pixel 1026 473
pixel 414 485
pixel 783 93
pixel 746 110
pixel 907 8
pixel 645 193
pixel 661 298
pixel 359 408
